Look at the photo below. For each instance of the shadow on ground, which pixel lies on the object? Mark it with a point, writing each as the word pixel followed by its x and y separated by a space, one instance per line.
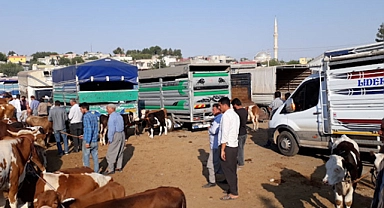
pixel 127 155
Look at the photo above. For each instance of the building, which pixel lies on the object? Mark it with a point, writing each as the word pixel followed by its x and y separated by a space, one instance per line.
pixel 305 60
pixel 17 59
pixel 143 64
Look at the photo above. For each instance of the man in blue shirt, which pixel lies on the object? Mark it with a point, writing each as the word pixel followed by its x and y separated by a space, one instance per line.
pixel 90 134
pixel 116 140
pixel 213 163
pixel 34 104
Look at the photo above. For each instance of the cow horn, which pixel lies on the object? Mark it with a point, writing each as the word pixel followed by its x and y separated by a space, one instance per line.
pixel 13 133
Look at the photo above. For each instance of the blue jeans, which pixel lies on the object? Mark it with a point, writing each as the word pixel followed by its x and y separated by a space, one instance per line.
pixel 58 139
pixel 240 155
pixel 93 149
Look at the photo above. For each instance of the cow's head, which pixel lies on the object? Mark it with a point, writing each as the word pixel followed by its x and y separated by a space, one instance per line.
pixel 48 198
pixel 335 170
pixel 143 112
pixel 38 137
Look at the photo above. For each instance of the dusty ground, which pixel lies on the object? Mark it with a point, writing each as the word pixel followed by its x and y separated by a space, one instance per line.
pixel 179 160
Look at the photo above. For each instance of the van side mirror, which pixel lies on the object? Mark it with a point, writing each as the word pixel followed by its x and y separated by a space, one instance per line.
pixel 290 105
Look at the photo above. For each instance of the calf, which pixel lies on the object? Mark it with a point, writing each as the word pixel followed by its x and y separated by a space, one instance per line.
pixel 70 185
pixel 343 168
pixel 253 115
pixel 162 197
pixel 7 111
pixel 155 118
pixel 103 128
pixel 110 191
pixel 14 154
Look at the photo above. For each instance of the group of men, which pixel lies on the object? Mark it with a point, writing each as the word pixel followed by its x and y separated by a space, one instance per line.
pixel 227 135
pixel 84 129
pixel 34 107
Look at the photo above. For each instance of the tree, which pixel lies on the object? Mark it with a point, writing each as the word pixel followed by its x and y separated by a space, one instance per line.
pixel 380 33
pixel 93 58
pixel 77 60
pixel 118 50
pixel 162 64
pixel 42 54
pixel 10 69
pixel 11 53
pixel 291 62
pixel 64 61
pixel 3 57
pixel 70 52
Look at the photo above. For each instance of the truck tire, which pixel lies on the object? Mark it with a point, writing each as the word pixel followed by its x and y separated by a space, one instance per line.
pixel 287 144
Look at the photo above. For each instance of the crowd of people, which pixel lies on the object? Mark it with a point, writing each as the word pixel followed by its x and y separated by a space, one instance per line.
pixel 227 136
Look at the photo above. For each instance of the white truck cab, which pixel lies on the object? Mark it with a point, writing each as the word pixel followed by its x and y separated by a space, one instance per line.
pixel 345 96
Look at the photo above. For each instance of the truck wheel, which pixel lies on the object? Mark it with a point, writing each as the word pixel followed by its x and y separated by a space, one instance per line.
pixel 287 144
pixel 170 125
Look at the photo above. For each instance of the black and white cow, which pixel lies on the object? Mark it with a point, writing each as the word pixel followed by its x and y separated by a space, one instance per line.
pixel 103 128
pixel 155 118
pixel 343 168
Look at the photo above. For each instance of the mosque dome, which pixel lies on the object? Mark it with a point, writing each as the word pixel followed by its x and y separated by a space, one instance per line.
pixel 262 56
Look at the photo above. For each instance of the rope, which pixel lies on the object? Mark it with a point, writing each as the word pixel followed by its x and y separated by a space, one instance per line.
pixel 71 135
pixel 363 176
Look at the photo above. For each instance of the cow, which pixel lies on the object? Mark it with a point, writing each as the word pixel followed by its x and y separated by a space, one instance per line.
pixel 76 170
pixel 162 197
pixel 155 118
pixel 103 128
pixel 253 115
pixel 14 154
pixel 110 191
pixel 44 123
pixel 70 185
pixel 343 168
pixel 4 100
pixel 378 196
pixel 4 128
pixel 7 111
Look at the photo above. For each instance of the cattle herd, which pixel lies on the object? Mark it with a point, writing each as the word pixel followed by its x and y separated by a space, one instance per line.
pixel 22 154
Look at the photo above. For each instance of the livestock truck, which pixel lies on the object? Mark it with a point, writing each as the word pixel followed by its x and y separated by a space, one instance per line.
pixel 186 92
pixel 98 83
pixel 345 96
pixel 35 82
pixel 254 84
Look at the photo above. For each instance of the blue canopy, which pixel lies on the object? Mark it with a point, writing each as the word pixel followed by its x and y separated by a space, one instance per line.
pixel 97 71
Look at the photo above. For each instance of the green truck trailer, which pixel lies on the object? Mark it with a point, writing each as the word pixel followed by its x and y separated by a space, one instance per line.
pixel 98 83
pixel 187 92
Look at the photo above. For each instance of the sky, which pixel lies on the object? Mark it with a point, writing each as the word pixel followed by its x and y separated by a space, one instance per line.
pixel 239 28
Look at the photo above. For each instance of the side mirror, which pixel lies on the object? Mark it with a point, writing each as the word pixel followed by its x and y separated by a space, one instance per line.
pixel 290 105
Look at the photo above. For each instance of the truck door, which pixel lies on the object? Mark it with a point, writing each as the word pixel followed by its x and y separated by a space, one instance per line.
pixel 307 110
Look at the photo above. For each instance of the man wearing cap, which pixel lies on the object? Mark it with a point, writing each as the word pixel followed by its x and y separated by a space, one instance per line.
pixel 116 140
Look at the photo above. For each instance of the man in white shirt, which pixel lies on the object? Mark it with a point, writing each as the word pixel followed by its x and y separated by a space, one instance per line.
pixel 228 134
pixel 76 125
pixel 275 104
pixel 16 103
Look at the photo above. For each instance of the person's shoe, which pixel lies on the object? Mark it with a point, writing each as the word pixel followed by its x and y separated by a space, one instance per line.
pixel 119 170
pixel 209 185
pixel 66 153
pixel 60 154
pixel 108 172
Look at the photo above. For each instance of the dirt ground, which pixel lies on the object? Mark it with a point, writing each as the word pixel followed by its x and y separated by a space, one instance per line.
pixel 179 160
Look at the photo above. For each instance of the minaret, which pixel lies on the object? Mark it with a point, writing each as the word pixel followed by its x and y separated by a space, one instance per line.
pixel 275 47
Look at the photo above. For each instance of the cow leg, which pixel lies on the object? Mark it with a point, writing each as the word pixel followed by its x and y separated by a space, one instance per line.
pixel 151 135
pixel 257 122
pixel 161 130
pixel 338 199
pixel 349 198
pixel 14 182
pixel 165 127
pixel 101 134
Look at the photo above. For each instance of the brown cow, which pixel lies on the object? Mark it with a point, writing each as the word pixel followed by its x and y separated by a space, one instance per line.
pixel 7 111
pixel 162 197
pixel 14 154
pixel 44 123
pixel 76 170
pixel 4 100
pixel 70 185
pixel 253 115
pixel 111 190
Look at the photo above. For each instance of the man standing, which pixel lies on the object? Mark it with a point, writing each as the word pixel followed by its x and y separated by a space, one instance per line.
pixel 42 109
pixel 116 140
pixel 275 104
pixel 243 116
pixel 17 104
pixel 58 116
pixel 75 126
pixel 213 163
pixel 228 134
pixel 34 104
pixel 91 130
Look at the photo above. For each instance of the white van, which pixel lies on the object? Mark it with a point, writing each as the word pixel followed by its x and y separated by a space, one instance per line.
pixel 345 96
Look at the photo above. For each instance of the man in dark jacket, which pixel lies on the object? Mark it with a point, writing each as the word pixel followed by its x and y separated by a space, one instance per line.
pixel 243 115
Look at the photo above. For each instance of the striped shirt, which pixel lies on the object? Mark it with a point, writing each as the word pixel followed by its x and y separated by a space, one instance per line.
pixel 91 127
